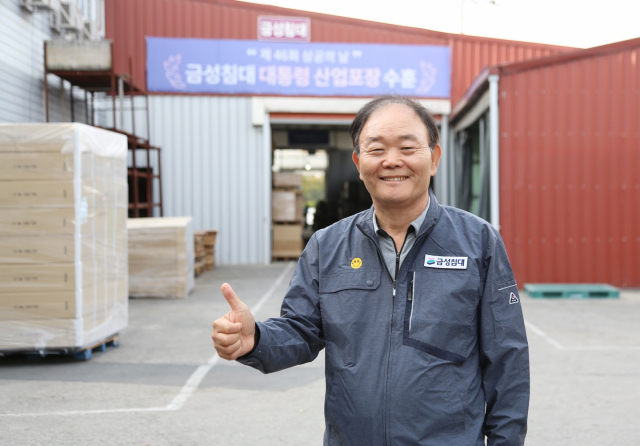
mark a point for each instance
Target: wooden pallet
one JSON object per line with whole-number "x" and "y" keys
{"x": 82, "y": 353}
{"x": 200, "y": 266}
{"x": 86, "y": 354}
{"x": 291, "y": 223}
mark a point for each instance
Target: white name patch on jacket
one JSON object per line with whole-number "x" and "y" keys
{"x": 445, "y": 262}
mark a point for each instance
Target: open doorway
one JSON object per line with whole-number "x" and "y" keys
{"x": 330, "y": 188}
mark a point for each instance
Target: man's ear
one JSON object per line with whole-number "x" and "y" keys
{"x": 436, "y": 154}
{"x": 356, "y": 160}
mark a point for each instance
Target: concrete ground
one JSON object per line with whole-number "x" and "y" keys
{"x": 165, "y": 386}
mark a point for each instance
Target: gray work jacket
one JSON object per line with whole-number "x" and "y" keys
{"x": 438, "y": 357}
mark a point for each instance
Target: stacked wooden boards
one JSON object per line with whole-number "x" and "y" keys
{"x": 63, "y": 238}
{"x": 205, "y": 250}
{"x": 287, "y": 205}
{"x": 200, "y": 254}
{"x": 210, "y": 237}
{"x": 161, "y": 257}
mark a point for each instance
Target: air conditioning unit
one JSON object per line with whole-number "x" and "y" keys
{"x": 71, "y": 17}
{"x": 40, "y": 5}
{"x": 92, "y": 30}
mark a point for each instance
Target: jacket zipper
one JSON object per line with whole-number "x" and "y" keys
{"x": 394, "y": 279}
{"x": 410, "y": 297}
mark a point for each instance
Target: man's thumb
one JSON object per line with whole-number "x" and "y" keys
{"x": 234, "y": 302}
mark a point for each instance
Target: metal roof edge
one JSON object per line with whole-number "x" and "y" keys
{"x": 388, "y": 26}
{"x": 481, "y": 83}
{"x": 477, "y": 87}
{"x": 569, "y": 56}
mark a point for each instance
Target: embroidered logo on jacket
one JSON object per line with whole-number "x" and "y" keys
{"x": 356, "y": 263}
{"x": 445, "y": 262}
{"x": 513, "y": 299}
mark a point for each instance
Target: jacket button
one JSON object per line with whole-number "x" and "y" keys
{"x": 369, "y": 282}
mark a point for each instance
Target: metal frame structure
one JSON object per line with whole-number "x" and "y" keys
{"x": 117, "y": 86}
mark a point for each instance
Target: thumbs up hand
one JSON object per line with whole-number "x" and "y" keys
{"x": 233, "y": 334}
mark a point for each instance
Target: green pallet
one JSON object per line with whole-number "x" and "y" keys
{"x": 572, "y": 290}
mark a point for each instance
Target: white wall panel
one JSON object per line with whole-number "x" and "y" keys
{"x": 22, "y": 37}
{"x": 212, "y": 160}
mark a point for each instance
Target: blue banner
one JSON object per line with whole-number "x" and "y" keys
{"x": 298, "y": 69}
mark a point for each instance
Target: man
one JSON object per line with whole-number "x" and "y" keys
{"x": 415, "y": 303}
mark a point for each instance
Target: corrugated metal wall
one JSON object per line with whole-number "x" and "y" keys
{"x": 570, "y": 170}
{"x": 213, "y": 169}
{"x": 22, "y": 36}
{"x": 128, "y": 22}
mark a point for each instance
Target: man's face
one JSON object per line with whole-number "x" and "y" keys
{"x": 395, "y": 162}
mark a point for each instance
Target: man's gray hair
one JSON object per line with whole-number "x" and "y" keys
{"x": 365, "y": 112}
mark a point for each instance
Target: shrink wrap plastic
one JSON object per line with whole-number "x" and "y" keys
{"x": 161, "y": 257}
{"x": 63, "y": 236}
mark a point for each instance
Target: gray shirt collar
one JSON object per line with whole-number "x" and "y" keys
{"x": 417, "y": 223}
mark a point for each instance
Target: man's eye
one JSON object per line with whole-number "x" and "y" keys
{"x": 408, "y": 148}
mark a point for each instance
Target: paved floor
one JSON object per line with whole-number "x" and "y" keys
{"x": 165, "y": 386}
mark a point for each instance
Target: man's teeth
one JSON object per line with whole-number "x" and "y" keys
{"x": 394, "y": 178}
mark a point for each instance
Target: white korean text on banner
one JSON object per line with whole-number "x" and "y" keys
{"x": 284, "y": 29}
{"x": 298, "y": 69}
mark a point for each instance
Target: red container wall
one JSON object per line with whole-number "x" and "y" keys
{"x": 128, "y": 22}
{"x": 570, "y": 170}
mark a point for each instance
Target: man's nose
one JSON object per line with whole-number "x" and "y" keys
{"x": 392, "y": 159}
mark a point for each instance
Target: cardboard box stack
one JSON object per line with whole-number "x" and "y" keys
{"x": 161, "y": 257}
{"x": 287, "y": 215}
{"x": 63, "y": 238}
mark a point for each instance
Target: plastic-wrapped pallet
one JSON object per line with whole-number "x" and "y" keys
{"x": 63, "y": 237}
{"x": 161, "y": 257}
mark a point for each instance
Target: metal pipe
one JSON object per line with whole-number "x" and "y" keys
{"x": 86, "y": 107}
{"x": 46, "y": 83}
{"x": 63, "y": 104}
{"x": 71, "y": 104}
{"x": 132, "y": 92}
{"x": 266, "y": 187}
{"x": 494, "y": 155}
{"x": 133, "y": 146}
{"x": 146, "y": 97}
{"x": 160, "y": 179}
{"x": 453, "y": 146}
{"x": 443, "y": 183}
{"x": 121, "y": 95}
{"x": 113, "y": 96}
{"x": 149, "y": 180}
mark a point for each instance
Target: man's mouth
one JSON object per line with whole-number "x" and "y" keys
{"x": 392, "y": 179}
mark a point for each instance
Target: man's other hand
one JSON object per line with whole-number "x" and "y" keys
{"x": 233, "y": 334}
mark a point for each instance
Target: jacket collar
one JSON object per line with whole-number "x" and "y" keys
{"x": 365, "y": 220}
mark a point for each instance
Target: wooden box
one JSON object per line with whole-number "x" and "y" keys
{"x": 287, "y": 240}
{"x": 287, "y": 206}
{"x": 161, "y": 257}
{"x": 287, "y": 180}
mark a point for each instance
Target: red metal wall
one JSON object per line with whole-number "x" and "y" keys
{"x": 570, "y": 169}
{"x": 128, "y": 22}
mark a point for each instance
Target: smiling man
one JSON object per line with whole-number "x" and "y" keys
{"x": 415, "y": 303}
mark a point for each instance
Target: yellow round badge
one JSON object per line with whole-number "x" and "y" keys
{"x": 356, "y": 263}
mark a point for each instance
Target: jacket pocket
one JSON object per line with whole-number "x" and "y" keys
{"x": 350, "y": 279}
{"x": 440, "y": 313}
{"x": 351, "y": 313}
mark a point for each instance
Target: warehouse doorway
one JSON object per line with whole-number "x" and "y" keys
{"x": 317, "y": 151}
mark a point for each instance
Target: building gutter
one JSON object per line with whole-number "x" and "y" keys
{"x": 494, "y": 154}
